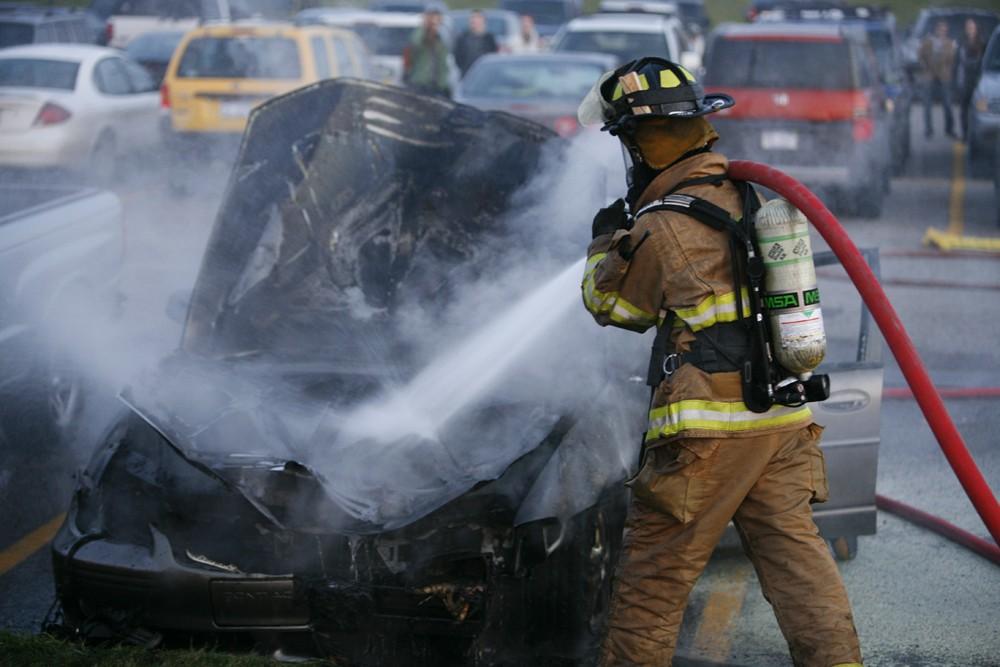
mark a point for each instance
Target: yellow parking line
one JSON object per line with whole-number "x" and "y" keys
{"x": 21, "y": 550}
{"x": 713, "y": 638}
{"x": 952, "y": 238}
{"x": 956, "y": 206}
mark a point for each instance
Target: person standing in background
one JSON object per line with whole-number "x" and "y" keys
{"x": 425, "y": 59}
{"x": 970, "y": 62}
{"x": 937, "y": 60}
{"x": 474, "y": 42}
{"x": 527, "y": 36}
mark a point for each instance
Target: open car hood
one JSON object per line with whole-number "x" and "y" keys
{"x": 350, "y": 205}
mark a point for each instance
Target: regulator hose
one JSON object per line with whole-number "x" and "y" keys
{"x": 948, "y": 437}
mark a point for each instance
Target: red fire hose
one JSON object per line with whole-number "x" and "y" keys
{"x": 885, "y": 316}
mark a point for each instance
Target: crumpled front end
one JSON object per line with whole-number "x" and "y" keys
{"x": 156, "y": 544}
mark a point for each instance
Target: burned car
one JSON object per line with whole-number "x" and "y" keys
{"x": 318, "y": 460}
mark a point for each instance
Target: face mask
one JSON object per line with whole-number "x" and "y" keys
{"x": 663, "y": 141}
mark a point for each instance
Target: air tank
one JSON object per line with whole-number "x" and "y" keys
{"x": 791, "y": 297}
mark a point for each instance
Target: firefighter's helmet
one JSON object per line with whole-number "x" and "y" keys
{"x": 646, "y": 88}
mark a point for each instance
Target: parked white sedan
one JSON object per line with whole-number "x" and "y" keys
{"x": 74, "y": 106}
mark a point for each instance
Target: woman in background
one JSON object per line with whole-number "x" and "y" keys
{"x": 970, "y": 62}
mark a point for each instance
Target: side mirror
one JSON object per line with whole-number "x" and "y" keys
{"x": 177, "y": 305}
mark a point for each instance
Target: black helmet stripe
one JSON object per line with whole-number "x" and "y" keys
{"x": 665, "y": 95}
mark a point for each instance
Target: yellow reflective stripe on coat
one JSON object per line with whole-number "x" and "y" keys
{"x": 611, "y": 304}
{"x": 713, "y": 310}
{"x": 727, "y": 416}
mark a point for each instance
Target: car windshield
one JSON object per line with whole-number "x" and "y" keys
{"x": 240, "y": 58}
{"x": 510, "y": 79}
{"x": 756, "y": 63}
{"x": 37, "y": 73}
{"x": 385, "y": 40}
{"x": 15, "y": 34}
{"x": 543, "y": 11}
{"x": 624, "y": 46}
{"x": 158, "y": 46}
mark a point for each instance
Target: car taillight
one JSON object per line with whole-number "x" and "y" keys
{"x": 109, "y": 32}
{"x": 52, "y": 114}
{"x": 864, "y": 129}
{"x": 566, "y": 126}
{"x": 164, "y": 97}
{"x": 863, "y": 124}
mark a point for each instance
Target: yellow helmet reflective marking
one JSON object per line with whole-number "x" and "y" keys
{"x": 668, "y": 79}
{"x": 687, "y": 74}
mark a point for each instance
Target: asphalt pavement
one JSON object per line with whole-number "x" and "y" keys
{"x": 918, "y": 599}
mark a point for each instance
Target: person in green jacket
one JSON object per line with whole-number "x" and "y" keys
{"x": 425, "y": 60}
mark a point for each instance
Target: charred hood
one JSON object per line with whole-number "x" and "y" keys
{"x": 350, "y": 200}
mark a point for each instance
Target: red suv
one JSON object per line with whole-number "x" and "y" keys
{"x": 809, "y": 101}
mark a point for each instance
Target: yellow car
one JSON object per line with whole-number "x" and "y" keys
{"x": 218, "y": 73}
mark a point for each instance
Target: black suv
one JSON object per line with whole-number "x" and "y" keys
{"x": 27, "y": 24}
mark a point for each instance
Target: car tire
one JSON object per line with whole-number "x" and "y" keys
{"x": 103, "y": 164}
{"x": 981, "y": 161}
{"x": 868, "y": 200}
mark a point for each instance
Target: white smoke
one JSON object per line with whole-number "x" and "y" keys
{"x": 519, "y": 333}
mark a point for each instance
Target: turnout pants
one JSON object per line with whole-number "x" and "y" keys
{"x": 685, "y": 494}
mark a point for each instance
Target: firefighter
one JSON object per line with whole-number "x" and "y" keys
{"x": 707, "y": 459}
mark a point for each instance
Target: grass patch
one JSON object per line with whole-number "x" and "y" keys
{"x": 44, "y": 650}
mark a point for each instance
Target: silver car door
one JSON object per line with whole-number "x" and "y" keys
{"x": 852, "y": 413}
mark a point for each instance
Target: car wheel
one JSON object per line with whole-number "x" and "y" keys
{"x": 868, "y": 200}
{"x": 898, "y": 159}
{"x": 103, "y": 166}
{"x": 981, "y": 159}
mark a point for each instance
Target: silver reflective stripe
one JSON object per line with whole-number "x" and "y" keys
{"x": 671, "y": 200}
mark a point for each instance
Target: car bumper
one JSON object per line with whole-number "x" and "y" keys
{"x": 43, "y": 148}
{"x": 198, "y": 146}
{"x": 985, "y": 127}
{"x": 96, "y": 576}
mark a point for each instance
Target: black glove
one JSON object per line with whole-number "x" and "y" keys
{"x": 611, "y": 219}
